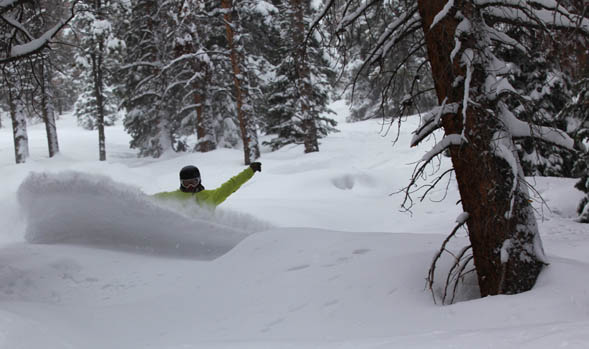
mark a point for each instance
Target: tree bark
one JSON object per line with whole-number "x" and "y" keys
{"x": 97, "y": 57}
{"x": 507, "y": 250}
{"x": 98, "y": 87}
{"x": 204, "y": 129}
{"x": 311, "y": 141}
{"x": 203, "y": 132}
{"x": 250, "y": 143}
{"x": 19, "y": 127}
{"x": 47, "y": 111}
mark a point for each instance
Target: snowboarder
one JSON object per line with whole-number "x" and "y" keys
{"x": 192, "y": 188}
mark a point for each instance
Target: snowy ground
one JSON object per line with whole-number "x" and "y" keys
{"x": 311, "y": 253}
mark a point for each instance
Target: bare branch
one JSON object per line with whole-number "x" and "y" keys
{"x": 445, "y": 143}
{"x": 432, "y": 270}
{"x": 460, "y": 274}
{"x": 433, "y": 185}
{"x": 454, "y": 272}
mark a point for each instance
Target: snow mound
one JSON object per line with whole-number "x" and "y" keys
{"x": 91, "y": 210}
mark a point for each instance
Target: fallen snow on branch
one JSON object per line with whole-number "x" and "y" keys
{"x": 36, "y": 44}
{"x": 445, "y": 143}
{"x": 431, "y": 121}
{"x": 521, "y": 129}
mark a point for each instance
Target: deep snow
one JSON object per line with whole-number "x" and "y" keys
{"x": 313, "y": 252}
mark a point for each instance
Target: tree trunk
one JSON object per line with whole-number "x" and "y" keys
{"x": 48, "y": 112}
{"x": 98, "y": 87}
{"x": 506, "y": 245}
{"x": 311, "y": 141}
{"x": 19, "y": 127}
{"x": 97, "y": 73}
{"x": 203, "y": 132}
{"x": 248, "y": 132}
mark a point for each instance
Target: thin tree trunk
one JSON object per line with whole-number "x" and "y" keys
{"x": 507, "y": 250}
{"x": 311, "y": 141}
{"x": 97, "y": 65}
{"x": 19, "y": 127}
{"x": 250, "y": 142}
{"x": 98, "y": 87}
{"x": 48, "y": 112}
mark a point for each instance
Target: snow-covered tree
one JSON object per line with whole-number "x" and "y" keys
{"x": 241, "y": 83}
{"x": 44, "y": 103}
{"x": 18, "y": 21}
{"x": 65, "y": 74}
{"x": 98, "y": 57}
{"x": 543, "y": 89}
{"x": 150, "y": 112}
{"x": 191, "y": 70}
{"x": 180, "y": 78}
{"x": 299, "y": 93}
{"x": 11, "y": 91}
{"x": 578, "y": 112}
{"x": 26, "y": 31}
{"x": 480, "y": 128}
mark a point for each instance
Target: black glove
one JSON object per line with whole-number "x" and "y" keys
{"x": 256, "y": 166}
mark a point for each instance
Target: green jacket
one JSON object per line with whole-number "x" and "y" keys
{"x": 210, "y": 198}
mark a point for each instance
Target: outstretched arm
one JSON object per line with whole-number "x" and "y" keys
{"x": 229, "y": 187}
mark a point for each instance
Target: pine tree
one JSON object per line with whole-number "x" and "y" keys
{"x": 473, "y": 90}
{"x": 179, "y": 78}
{"x": 25, "y": 35}
{"x": 220, "y": 103}
{"x": 506, "y": 245}
{"x": 98, "y": 59}
{"x": 65, "y": 75}
{"x": 192, "y": 70}
{"x": 543, "y": 89}
{"x": 150, "y": 112}
{"x": 299, "y": 93}
{"x": 244, "y": 102}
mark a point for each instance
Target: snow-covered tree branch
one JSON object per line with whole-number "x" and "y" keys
{"x": 15, "y": 46}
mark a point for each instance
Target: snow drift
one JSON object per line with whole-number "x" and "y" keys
{"x": 92, "y": 210}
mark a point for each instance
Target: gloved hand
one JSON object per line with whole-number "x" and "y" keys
{"x": 256, "y": 166}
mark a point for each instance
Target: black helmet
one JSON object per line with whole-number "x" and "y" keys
{"x": 190, "y": 179}
{"x": 189, "y": 172}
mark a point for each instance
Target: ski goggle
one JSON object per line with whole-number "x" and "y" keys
{"x": 190, "y": 183}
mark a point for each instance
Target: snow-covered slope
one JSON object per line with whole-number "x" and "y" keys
{"x": 312, "y": 252}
